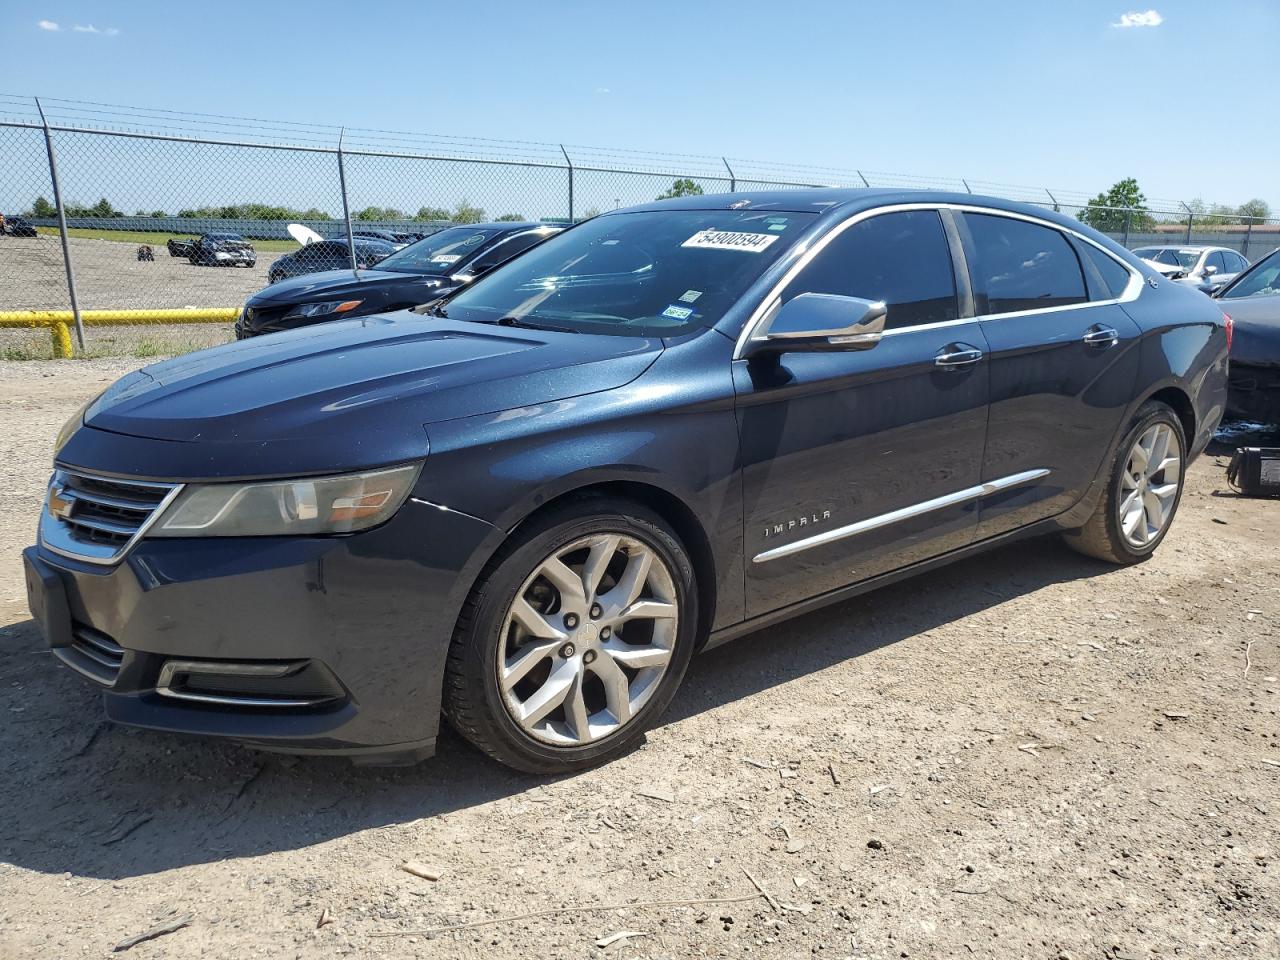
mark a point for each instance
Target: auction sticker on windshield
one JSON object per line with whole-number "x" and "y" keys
{"x": 730, "y": 240}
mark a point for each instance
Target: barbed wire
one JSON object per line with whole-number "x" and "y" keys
{"x": 116, "y": 117}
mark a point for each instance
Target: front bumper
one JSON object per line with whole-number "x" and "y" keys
{"x": 364, "y": 622}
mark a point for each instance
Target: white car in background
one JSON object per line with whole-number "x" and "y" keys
{"x": 1205, "y": 267}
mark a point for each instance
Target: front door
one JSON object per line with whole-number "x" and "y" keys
{"x": 860, "y": 462}
{"x": 1063, "y": 360}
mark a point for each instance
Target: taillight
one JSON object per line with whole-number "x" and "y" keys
{"x": 1231, "y": 328}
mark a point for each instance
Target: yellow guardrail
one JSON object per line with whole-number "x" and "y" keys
{"x": 59, "y": 321}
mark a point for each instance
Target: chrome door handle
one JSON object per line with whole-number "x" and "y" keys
{"x": 957, "y": 355}
{"x": 1100, "y": 336}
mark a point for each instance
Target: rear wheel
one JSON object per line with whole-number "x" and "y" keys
{"x": 1142, "y": 495}
{"x": 574, "y": 640}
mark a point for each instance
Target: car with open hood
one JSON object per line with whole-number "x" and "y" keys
{"x": 1207, "y": 268}
{"x": 427, "y": 270}
{"x": 528, "y": 505}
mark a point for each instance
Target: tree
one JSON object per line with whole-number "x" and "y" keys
{"x": 380, "y": 213}
{"x": 43, "y": 208}
{"x": 431, "y": 213}
{"x": 588, "y": 213}
{"x": 684, "y": 187}
{"x": 1255, "y": 210}
{"x": 465, "y": 213}
{"x": 510, "y": 218}
{"x": 1106, "y": 211}
{"x": 158, "y": 213}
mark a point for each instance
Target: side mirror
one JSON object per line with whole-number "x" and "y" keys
{"x": 1210, "y": 270}
{"x": 819, "y": 323}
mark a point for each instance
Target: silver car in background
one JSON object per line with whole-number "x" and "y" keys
{"x": 1207, "y": 268}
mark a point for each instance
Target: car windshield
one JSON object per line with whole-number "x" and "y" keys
{"x": 652, "y": 273}
{"x": 439, "y": 252}
{"x": 1174, "y": 258}
{"x": 1262, "y": 280}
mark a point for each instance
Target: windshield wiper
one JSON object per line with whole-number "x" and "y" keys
{"x": 525, "y": 324}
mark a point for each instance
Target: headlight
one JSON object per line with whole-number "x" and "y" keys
{"x": 344, "y": 504}
{"x": 322, "y": 309}
{"x": 73, "y": 424}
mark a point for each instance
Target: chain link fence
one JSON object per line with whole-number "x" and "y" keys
{"x": 128, "y": 203}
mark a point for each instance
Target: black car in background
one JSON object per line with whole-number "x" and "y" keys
{"x": 328, "y": 255}
{"x": 1253, "y": 301}
{"x": 222, "y": 250}
{"x": 18, "y": 227}
{"x": 419, "y": 273}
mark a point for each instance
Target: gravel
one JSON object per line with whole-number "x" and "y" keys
{"x": 923, "y": 828}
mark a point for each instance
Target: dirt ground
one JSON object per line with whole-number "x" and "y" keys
{"x": 109, "y": 276}
{"x": 1028, "y": 754}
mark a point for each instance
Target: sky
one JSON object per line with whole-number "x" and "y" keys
{"x": 1070, "y": 95}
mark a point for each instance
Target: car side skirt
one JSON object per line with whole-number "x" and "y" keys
{"x": 733, "y": 632}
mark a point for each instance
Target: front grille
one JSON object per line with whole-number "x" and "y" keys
{"x": 93, "y": 654}
{"x": 98, "y": 518}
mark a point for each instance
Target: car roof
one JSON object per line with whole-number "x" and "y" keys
{"x": 821, "y": 200}
{"x": 1197, "y": 247}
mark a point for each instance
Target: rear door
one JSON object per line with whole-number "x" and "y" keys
{"x": 855, "y": 463}
{"x": 1063, "y": 360}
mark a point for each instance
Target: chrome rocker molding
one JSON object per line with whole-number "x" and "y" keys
{"x": 905, "y": 513}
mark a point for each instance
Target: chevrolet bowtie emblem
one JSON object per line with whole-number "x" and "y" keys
{"x": 60, "y": 506}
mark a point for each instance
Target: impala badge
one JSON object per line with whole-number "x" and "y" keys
{"x": 796, "y": 523}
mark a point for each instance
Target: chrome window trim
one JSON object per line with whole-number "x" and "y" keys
{"x": 903, "y": 513}
{"x": 773, "y": 299}
{"x": 105, "y": 561}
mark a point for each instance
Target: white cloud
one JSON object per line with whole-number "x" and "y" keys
{"x": 603, "y": 90}
{"x": 47, "y": 25}
{"x": 1135, "y": 18}
{"x": 90, "y": 28}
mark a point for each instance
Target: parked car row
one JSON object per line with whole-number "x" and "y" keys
{"x": 315, "y": 283}
{"x": 527, "y": 504}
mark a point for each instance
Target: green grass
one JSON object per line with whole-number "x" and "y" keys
{"x": 158, "y": 240}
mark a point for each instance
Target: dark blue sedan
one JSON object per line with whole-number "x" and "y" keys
{"x": 659, "y": 430}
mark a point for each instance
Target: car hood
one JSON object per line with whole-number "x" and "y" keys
{"x": 338, "y": 396}
{"x": 1164, "y": 268}
{"x": 1257, "y": 330}
{"x": 338, "y": 283}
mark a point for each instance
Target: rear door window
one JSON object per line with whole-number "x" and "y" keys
{"x": 1024, "y": 266}
{"x": 1114, "y": 276}
{"x": 901, "y": 258}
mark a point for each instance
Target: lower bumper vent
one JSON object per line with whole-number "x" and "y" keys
{"x": 93, "y": 654}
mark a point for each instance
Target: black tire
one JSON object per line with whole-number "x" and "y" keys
{"x": 1101, "y": 536}
{"x": 473, "y": 702}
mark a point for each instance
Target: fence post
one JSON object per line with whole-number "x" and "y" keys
{"x": 1127, "y": 212}
{"x": 569, "y": 163}
{"x": 1190, "y": 217}
{"x": 1054, "y": 199}
{"x": 733, "y": 181}
{"x": 346, "y": 207}
{"x": 62, "y": 343}
{"x": 1248, "y": 235}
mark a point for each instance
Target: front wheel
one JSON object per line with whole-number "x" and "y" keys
{"x": 1143, "y": 491}
{"x": 575, "y": 638}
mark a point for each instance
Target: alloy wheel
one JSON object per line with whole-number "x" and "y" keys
{"x": 1149, "y": 485}
{"x": 587, "y": 639}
